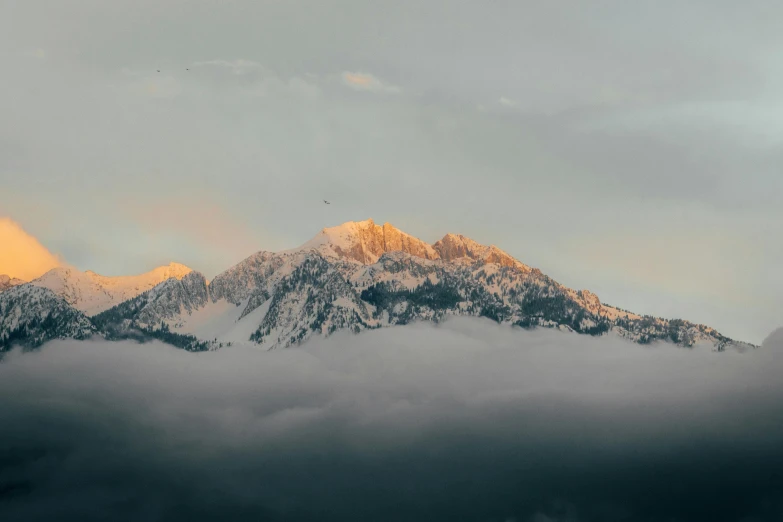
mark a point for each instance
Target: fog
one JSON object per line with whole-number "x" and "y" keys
{"x": 466, "y": 420}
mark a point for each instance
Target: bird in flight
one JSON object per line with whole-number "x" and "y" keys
{"x": 327, "y": 202}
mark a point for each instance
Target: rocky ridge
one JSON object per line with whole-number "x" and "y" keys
{"x": 31, "y": 315}
{"x": 7, "y": 282}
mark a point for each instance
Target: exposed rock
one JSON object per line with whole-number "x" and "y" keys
{"x": 455, "y": 246}
{"x": 364, "y": 242}
{"x": 7, "y": 282}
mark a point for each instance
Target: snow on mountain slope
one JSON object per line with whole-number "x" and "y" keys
{"x": 240, "y": 281}
{"x": 171, "y": 299}
{"x": 7, "y": 282}
{"x": 93, "y": 293}
{"x": 264, "y": 292}
{"x": 31, "y": 315}
{"x": 222, "y": 321}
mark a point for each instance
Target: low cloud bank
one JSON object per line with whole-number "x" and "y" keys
{"x": 466, "y": 420}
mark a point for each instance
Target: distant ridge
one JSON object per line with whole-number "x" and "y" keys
{"x": 92, "y": 293}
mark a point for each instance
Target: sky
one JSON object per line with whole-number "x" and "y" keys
{"x": 632, "y": 149}
{"x": 465, "y": 420}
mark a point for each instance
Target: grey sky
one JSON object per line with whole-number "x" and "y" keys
{"x": 632, "y": 148}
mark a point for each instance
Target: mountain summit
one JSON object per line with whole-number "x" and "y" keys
{"x": 93, "y": 293}
{"x": 365, "y": 242}
{"x": 455, "y": 247}
{"x": 7, "y": 282}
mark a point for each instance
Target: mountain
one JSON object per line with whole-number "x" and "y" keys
{"x": 455, "y": 248}
{"x": 92, "y": 293}
{"x": 146, "y": 315}
{"x": 365, "y": 242}
{"x": 7, "y": 282}
{"x": 360, "y": 276}
{"x": 31, "y": 315}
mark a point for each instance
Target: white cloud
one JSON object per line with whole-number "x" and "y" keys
{"x": 39, "y": 54}
{"x": 163, "y": 86}
{"x": 303, "y": 87}
{"x": 508, "y": 102}
{"x": 367, "y": 82}
{"x": 239, "y": 66}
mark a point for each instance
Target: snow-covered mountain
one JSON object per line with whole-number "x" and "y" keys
{"x": 365, "y": 242}
{"x": 31, "y": 315}
{"x": 92, "y": 293}
{"x": 7, "y": 282}
{"x": 360, "y": 275}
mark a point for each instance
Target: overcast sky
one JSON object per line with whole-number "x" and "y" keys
{"x": 631, "y": 148}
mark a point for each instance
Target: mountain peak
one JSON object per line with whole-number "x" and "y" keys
{"x": 176, "y": 270}
{"x": 93, "y": 293}
{"x": 453, "y": 247}
{"x": 365, "y": 242}
{"x": 7, "y": 282}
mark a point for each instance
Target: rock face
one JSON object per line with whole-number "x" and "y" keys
{"x": 175, "y": 297}
{"x": 238, "y": 282}
{"x": 364, "y": 242}
{"x": 7, "y": 282}
{"x": 168, "y": 300}
{"x": 30, "y": 316}
{"x": 454, "y": 247}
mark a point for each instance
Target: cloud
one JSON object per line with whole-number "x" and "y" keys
{"x": 367, "y": 82}
{"x": 667, "y": 258}
{"x": 39, "y": 54}
{"x": 22, "y": 255}
{"x": 238, "y": 66}
{"x": 508, "y": 102}
{"x": 164, "y": 86}
{"x": 274, "y": 85}
{"x": 198, "y": 222}
{"x": 464, "y": 420}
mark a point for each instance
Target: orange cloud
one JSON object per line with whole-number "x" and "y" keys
{"x": 21, "y": 255}
{"x": 222, "y": 239}
{"x": 367, "y": 82}
{"x": 358, "y": 79}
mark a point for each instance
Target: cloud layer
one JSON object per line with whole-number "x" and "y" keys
{"x": 21, "y": 255}
{"x": 462, "y": 421}
{"x": 367, "y": 82}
